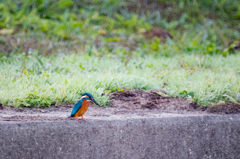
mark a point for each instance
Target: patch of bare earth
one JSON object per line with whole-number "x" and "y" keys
{"x": 157, "y": 32}
{"x": 126, "y": 104}
{"x": 21, "y": 43}
{"x": 139, "y": 99}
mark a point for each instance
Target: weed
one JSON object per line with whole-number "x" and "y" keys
{"x": 207, "y": 80}
{"x": 101, "y": 48}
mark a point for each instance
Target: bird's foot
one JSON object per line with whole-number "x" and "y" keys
{"x": 78, "y": 120}
{"x": 84, "y": 119}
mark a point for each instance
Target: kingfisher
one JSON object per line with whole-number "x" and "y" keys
{"x": 82, "y": 106}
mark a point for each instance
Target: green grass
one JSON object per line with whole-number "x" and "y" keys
{"x": 35, "y": 81}
{"x": 52, "y": 51}
{"x": 215, "y": 22}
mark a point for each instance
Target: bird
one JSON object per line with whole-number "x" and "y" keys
{"x": 82, "y": 105}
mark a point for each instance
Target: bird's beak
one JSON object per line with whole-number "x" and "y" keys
{"x": 95, "y": 102}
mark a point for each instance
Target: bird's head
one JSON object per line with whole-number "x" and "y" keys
{"x": 89, "y": 96}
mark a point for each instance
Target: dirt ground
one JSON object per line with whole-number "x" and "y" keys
{"x": 126, "y": 104}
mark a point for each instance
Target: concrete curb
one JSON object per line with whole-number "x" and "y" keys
{"x": 214, "y": 136}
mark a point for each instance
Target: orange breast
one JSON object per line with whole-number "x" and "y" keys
{"x": 83, "y": 109}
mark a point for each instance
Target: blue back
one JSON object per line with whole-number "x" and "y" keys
{"x": 77, "y": 106}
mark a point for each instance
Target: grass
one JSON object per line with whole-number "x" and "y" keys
{"x": 52, "y": 51}
{"x": 68, "y": 21}
{"x": 35, "y": 81}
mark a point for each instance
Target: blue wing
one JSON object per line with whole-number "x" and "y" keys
{"x": 76, "y": 107}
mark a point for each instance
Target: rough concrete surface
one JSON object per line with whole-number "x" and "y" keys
{"x": 170, "y": 137}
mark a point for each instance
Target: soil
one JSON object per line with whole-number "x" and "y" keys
{"x": 235, "y": 47}
{"x": 9, "y": 43}
{"x": 126, "y": 104}
{"x": 157, "y": 32}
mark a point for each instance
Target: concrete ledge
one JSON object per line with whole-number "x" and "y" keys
{"x": 194, "y": 137}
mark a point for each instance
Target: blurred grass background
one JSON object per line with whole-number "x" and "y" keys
{"x": 198, "y": 26}
{"x": 199, "y": 37}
